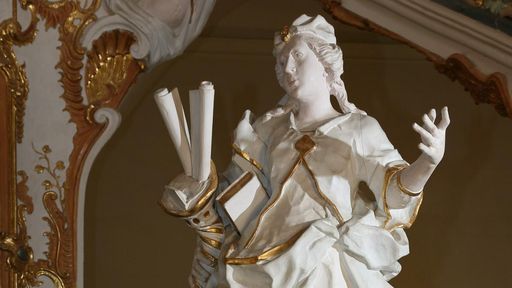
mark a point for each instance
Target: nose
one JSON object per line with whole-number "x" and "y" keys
{"x": 289, "y": 66}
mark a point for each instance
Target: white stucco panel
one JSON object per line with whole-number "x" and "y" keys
{"x": 45, "y": 123}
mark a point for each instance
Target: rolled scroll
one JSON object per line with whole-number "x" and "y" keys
{"x": 201, "y": 113}
{"x": 174, "y": 117}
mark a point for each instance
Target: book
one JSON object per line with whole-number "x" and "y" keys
{"x": 243, "y": 200}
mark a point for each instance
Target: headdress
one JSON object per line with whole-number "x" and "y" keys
{"x": 316, "y": 27}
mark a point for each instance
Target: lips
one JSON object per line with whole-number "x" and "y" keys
{"x": 292, "y": 82}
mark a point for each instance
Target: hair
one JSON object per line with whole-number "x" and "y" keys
{"x": 331, "y": 57}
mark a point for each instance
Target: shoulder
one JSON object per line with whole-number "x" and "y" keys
{"x": 354, "y": 123}
{"x": 369, "y": 126}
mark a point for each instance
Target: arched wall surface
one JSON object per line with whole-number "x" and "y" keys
{"x": 460, "y": 238}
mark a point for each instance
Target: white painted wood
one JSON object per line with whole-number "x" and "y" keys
{"x": 113, "y": 119}
{"x": 160, "y": 36}
{"x": 441, "y": 31}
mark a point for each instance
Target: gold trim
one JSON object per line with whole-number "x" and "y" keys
{"x": 337, "y": 213}
{"x": 247, "y": 157}
{"x": 268, "y": 254}
{"x": 304, "y": 146}
{"x": 245, "y": 178}
{"x": 404, "y": 189}
{"x": 107, "y": 65}
{"x": 211, "y": 258}
{"x": 390, "y": 172}
{"x": 211, "y": 242}
{"x": 214, "y": 230}
{"x": 285, "y": 34}
{"x": 484, "y": 88}
{"x": 203, "y": 200}
{"x": 413, "y": 217}
{"x": 387, "y": 179}
{"x": 273, "y": 203}
{"x": 70, "y": 19}
{"x": 14, "y": 239}
{"x": 53, "y": 276}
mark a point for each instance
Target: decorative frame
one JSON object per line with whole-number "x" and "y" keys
{"x": 491, "y": 89}
{"x": 110, "y": 70}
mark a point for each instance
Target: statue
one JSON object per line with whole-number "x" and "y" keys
{"x": 286, "y": 212}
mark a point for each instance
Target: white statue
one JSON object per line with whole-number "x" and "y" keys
{"x": 286, "y": 212}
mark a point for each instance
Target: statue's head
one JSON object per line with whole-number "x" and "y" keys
{"x": 318, "y": 36}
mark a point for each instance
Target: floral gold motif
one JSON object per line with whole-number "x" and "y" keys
{"x": 46, "y": 167}
{"x": 116, "y": 70}
{"x": 13, "y": 238}
{"x": 21, "y": 259}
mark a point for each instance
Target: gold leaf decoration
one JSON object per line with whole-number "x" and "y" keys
{"x": 107, "y": 65}
{"x": 491, "y": 89}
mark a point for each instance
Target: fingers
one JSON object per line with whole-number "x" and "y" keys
{"x": 428, "y": 124}
{"x": 432, "y": 115}
{"x": 445, "y": 120}
{"x": 425, "y": 149}
{"x": 428, "y": 138}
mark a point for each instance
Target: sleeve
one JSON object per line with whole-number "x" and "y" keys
{"x": 250, "y": 150}
{"x": 193, "y": 202}
{"x": 379, "y": 165}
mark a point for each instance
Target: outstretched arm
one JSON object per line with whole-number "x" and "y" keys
{"x": 414, "y": 177}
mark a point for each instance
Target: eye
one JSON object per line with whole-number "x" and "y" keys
{"x": 298, "y": 55}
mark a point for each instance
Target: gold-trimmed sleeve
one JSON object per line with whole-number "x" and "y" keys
{"x": 404, "y": 189}
{"x": 390, "y": 224}
{"x": 205, "y": 199}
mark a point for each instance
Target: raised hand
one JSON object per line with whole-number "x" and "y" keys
{"x": 432, "y": 135}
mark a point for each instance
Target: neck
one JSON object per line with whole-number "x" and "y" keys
{"x": 313, "y": 112}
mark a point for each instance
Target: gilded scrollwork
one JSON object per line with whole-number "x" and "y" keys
{"x": 107, "y": 65}
{"x": 109, "y": 73}
{"x": 491, "y": 89}
{"x": 21, "y": 257}
{"x": 15, "y": 241}
{"x": 12, "y": 34}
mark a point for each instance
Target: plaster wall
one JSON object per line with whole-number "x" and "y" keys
{"x": 460, "y": 239}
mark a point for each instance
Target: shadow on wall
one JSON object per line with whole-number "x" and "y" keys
{"x": 131, "y": 242}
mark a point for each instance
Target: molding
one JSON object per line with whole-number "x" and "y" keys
{"x": 111, "y": 119}
{"x": 95, "y": 78}
{"x": 443, "y": 36}
{"x": 262, "y": 47}
{"x": 13, "y": 94}
{"x": 157, "y": 39}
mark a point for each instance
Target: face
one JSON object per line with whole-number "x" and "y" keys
{"x": 304, "y": 75}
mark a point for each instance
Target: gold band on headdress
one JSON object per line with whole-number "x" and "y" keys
{"x": 285, "y": 33}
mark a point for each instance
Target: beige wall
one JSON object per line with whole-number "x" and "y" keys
{"x": 461, "y": 238}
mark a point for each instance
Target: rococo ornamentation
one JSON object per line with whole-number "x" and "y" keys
{"x": 107, "y": 65}
{"x": 491, "y": 89}
{"x": 109, "y": 73}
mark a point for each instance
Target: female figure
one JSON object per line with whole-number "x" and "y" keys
{"x": 315, "y": 230}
